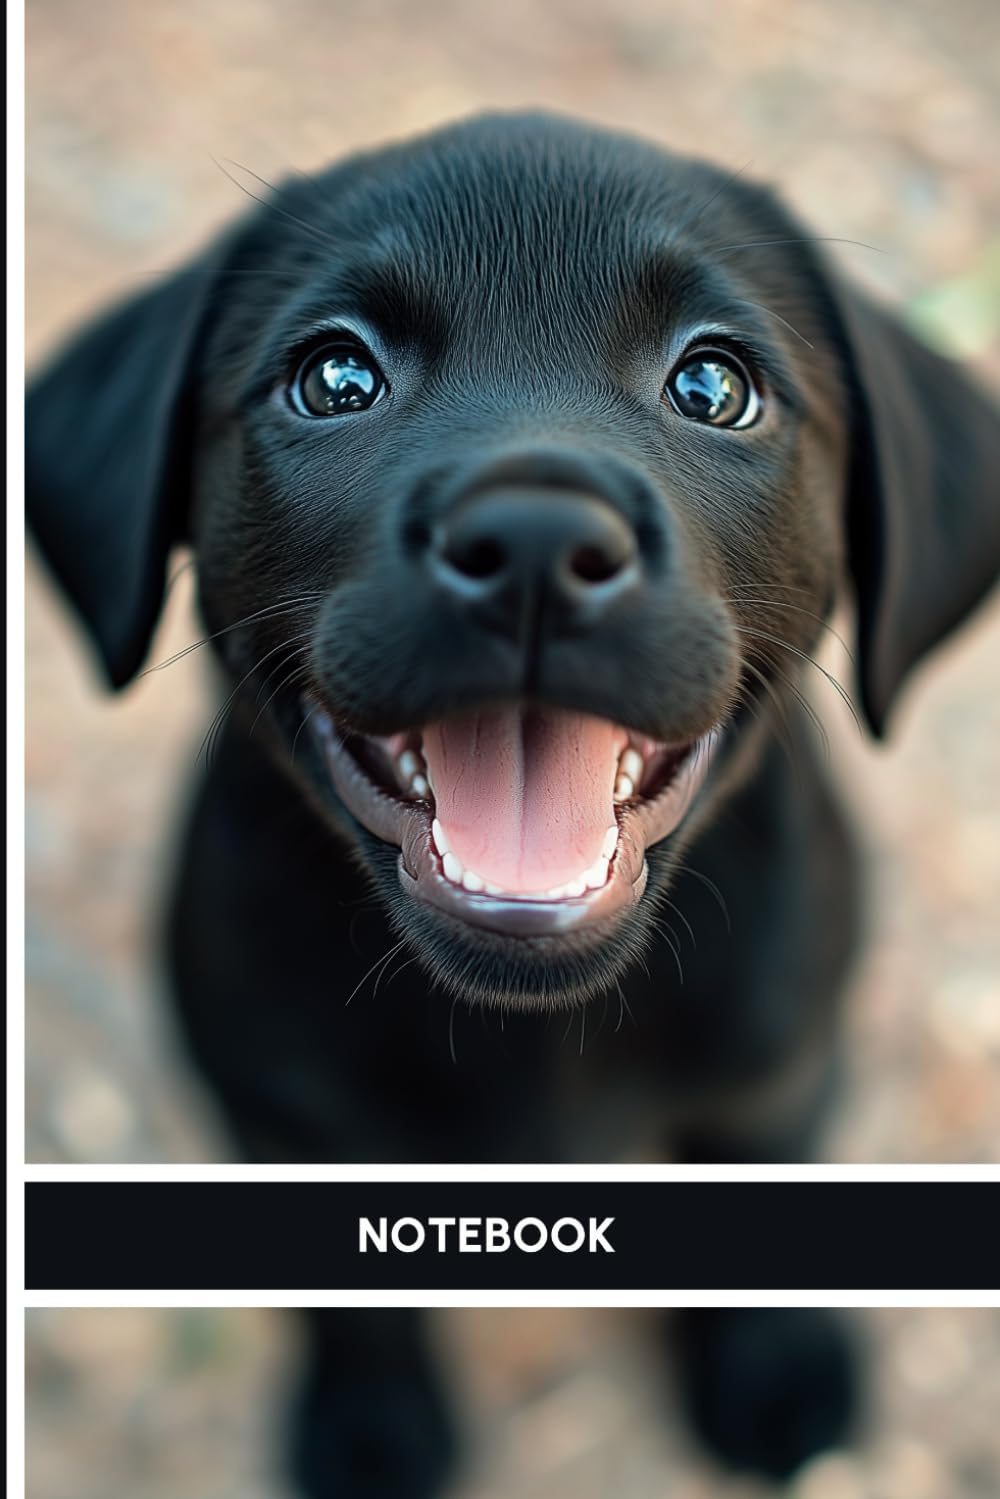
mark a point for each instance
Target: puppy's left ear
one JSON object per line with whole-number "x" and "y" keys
{"x": 109, "y": 431}
{"x": 924, "y": 496}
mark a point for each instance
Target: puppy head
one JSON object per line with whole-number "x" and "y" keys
{"x": 522, "y": 464}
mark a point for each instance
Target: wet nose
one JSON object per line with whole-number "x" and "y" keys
{"x": 511, "y": 553}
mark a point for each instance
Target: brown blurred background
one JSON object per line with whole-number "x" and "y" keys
{"x": 879, "y": 121}
{"x": 554, "y": 1405}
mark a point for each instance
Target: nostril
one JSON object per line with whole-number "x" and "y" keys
{"x": 595, "y": 564}
{"x": 481, "y": 558}
{"x": 504, "y": 548}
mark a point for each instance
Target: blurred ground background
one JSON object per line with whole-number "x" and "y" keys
{"x": 880, "y": 121}
{"x": 554, "y": 1405}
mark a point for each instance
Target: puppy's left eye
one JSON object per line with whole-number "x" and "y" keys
{"x": 337, "y": 379}
{"x": 711, "y": 386}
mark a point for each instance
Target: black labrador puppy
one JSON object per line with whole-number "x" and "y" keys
{"x": 522, "y": 465}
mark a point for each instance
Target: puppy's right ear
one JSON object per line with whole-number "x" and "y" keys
{"x": 109, "y": 437}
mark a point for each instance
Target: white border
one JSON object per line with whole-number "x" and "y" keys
{"x": 268, "y": 1297}
{"x": 15, "y": 749}
{"x": 18, "y": 1173}
{"x": 498, "y": 1296}
{"x": 509, "y": 1172}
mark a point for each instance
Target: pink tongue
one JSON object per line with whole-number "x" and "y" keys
{"x": 525, "y": 798}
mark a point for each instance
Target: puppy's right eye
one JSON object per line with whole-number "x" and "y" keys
{"x": 337, "y": 379}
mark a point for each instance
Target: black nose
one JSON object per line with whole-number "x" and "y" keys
{"x": 510, "y": 553}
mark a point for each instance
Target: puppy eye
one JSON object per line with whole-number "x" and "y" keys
{"x": 337, "y": 379}
{"x": 711, "y": 386}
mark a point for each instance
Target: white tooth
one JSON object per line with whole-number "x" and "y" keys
{"x": 453, "y": 868}
{"x": 472, "y": 881}
{"x": 494, "y": 889}
{"x": 597, "y": 874}
{"x": 409, "y": 763}
{"x": 419, "y": 786}
{"x": 555, "y": 893}
{"x": 610, "y": 842}
{"x": 631, "y": 764}
{"x": 624, "y": 788}
{"x": 575, "y": 887}
{"x": 440, "y": 838}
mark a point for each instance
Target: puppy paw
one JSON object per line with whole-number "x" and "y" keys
{"x": 767, "y": 1388}
{"x": 390, "y": 1439}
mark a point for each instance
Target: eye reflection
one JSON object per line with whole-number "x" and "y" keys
{"x": 714, "y": 388}
{"x": 338, "y": 380}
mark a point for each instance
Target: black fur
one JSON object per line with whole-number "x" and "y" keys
{"x": 525, "y": 283}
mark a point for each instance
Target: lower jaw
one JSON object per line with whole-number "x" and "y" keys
{"x": 538, "y": 922}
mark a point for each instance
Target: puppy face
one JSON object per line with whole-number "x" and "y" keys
{"x": 514, "y": 471}
{"x": 518, "y": 466}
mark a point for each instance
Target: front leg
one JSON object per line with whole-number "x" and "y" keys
{"x": 370, "y": 1418}
{"x": 767, "y": 1388}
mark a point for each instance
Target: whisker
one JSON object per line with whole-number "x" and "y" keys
{"x": 394, "y": 974}
{"x": 804, "y": 656}
{"x": 272, "y": 187}
{"x": 318, "y": 234}
{"x": 799, "y": 239}
{"x": 297, "y": 673}
{"x": 385, "y": 958}
{"x": 785, "y": 731}
{"x": 219, "y": 718}
{"x": 808, "y": 708}
{"x": 777, "y": 315}
{"x": 184, "y": 567}
{"x": 713, "y": 890}
{"x": 786, "y": 588}
{"x": 297, "y": 654}
{"x": 301, "y": 726}
{"x": 604, "y": 1018}
{"x": 268, "y": 609}
{"x": 726, "y": 183}
{"x": 276, "y": 274}
{"x": 741, "y": 598}
{"x": 745, "y": 698}
{"x": 681, "y": 917}
{"x": 292, "y": 641}
{"x": 666, "y": 931}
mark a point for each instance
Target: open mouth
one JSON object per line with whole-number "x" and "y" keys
{"x": 526, "y": 820}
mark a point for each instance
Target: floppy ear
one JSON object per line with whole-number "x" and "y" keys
{"x": 924, "y": 497}
{"x": 109, "y": 433}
